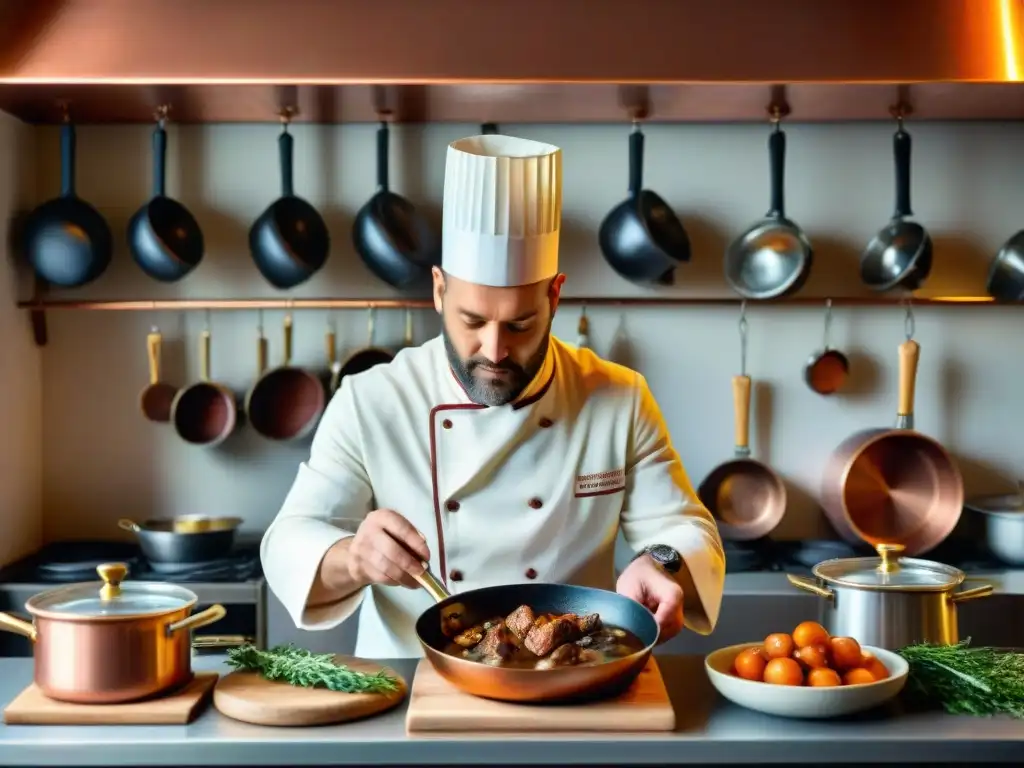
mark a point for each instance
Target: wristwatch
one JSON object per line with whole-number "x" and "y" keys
{"x": 664, "y": 556}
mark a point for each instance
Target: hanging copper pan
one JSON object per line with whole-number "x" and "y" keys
{"x": 746, "y": 498}
{"x": 894, "y": 486}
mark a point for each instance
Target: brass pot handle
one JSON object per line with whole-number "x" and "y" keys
{"x": 807, "y": 585}
{"x": 432, "y": 585}
{"x": 195, "y": 621}
{"x": 18, "y": 626}
{"x": 972, "y": 594}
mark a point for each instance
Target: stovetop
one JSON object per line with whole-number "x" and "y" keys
{"x": 75, "y": 561}
{"x": 799, "y": 557}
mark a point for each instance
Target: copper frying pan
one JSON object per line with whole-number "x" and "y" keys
{"x": 894, "y": 486}
{"x": 745, "y": 496}
{"x": 532, "y": 685}
{"x": 286, "y": 402}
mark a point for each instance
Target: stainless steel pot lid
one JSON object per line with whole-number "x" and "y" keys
{"x": 889, "y": 571}
{"x": 110, "y": 597}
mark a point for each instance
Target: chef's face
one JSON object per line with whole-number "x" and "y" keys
{"x": 496, "y": 338}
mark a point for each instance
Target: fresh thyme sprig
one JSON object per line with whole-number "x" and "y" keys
{"x": 965, "y": 680}
{"x": 299, "y": 667}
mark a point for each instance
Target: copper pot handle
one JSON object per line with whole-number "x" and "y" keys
{"x": 197, "y": 620}
{"x": 18, "y": 626}
{"x": 807, "y": 585}
{"x": 972, "y": 594}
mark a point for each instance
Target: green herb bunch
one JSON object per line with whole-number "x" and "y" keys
{"x": 305, "y": 669}
{"x": 965, "y": 680}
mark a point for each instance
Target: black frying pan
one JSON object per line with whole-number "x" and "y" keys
{"x": 642, "y": 238}
{"x": 393, "y": 239}
{"x": 66, "y": 240}
{"x": 1005, "y": 280}
{"x": 163, "y": 236}
{"x": 289, "y": 241}
{"x": 773, "y": 258}
{"x": 532, "y": 685}
{"x": 900, "y": 255}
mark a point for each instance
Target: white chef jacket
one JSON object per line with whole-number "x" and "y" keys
{"x": 535, "y": 489}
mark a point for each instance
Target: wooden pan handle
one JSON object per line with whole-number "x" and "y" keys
{"x": 261, "y": 354}
{"x": 330, "y": 347}
{"x": 287, "y": 340}
{"x": 910, "y": 353}
{"x": 741, "y": 411}
{"x": 204, "y": 356}
{"x": 153, "y": 342}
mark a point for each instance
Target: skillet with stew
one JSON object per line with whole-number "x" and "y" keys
{"x": 536, "y": 642}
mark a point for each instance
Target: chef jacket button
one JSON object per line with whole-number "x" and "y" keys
{"x": 451, "y": 505}
{"x": 531, "y": 574}
{"x": 535, "y": 503}
{"x": 455, "y": 575}
{"x": 447, "y": 423}
{"x": 545, "y": 423}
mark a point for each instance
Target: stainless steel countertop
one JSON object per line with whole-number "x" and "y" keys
{"x": 709, "y": 731}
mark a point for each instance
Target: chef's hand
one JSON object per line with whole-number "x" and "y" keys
{"x": 387, "y": 549}
{"x": 645, "y": 581}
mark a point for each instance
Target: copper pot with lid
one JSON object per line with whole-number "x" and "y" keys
{"x": 110, "y": 642}
{"x": 890, "y": 601}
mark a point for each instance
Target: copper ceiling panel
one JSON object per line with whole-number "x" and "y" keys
{"x": 539, "y": 41}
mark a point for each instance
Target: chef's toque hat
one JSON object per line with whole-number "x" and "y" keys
{"x": 502, "y": 210}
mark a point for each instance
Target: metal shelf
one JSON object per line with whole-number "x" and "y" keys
{"x": 38, "y": 308}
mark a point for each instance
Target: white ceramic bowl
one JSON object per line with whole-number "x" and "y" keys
{"x": 804, "y": 701}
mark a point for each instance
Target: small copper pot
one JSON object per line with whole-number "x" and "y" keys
{"x": 108, "y": 642}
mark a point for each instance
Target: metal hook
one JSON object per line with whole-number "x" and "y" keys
{"x": 908, "y": 322}
{"x": 371, "y": 324}
{"x": 259, "y": 321}
{"x": 160, "y": 114}
{"x": 285, "y": 114}
{"x": 208, "y": 315}
{"x": 743, "y": 337}
{"x": 828, "y": 322}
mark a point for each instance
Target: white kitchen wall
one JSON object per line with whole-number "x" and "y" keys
{"x": 21, "y": 418}
{"x": 103, "y": 461}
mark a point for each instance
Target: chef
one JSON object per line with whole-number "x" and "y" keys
{"x": 494, "y": 452}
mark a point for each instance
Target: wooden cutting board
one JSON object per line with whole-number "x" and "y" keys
{"x": 436, "y": 705}
{"x": 251, "y": 698}
{"x": 180, "y": 707}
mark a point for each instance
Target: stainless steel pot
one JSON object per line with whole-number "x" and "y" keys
{"x": 108, "y": 642}
{"x": 186, "y": 539}
{"x": 1004, "y": 524}
{"x": 889, "y": 601}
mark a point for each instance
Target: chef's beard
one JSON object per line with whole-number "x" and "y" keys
{"x": 492, "y": 391}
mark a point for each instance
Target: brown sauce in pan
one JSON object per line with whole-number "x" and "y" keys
{"x": 524, "y": 640}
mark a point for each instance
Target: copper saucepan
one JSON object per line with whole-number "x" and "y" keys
{"x": 287, "y": 402}
{"x": 526, "y": 684}
{"x": 111, "y": 642}
{"x": 205, "y": 412}
{"x": 894, "y": 486}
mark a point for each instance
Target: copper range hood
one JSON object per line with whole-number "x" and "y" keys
{"x": 700, "y": 59}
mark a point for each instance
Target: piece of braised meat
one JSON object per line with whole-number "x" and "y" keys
{"x": 499, "y": 644}
{"x": 567, "y": 655}
{"x": 520, "y": 621}
{"x": 544, "y": 638}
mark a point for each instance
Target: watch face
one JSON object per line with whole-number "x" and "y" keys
{"x": 663, "y": 554}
